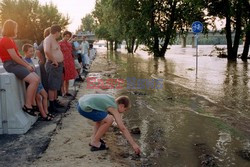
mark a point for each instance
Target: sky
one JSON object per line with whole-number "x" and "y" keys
{"x": 76, "y": 9}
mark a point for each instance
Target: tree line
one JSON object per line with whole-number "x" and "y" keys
{"x": 32, "y": 17}
{"x": 157, "y": 23}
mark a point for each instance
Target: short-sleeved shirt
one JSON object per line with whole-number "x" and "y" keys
{"x": 75, "y": 45}
{"x": 98, "y": 102}
{"x": 28, "y": 60}
{"x": 40, "y": 48}
{"x": 85, "y": 47}
{"x": 5, "y": 44}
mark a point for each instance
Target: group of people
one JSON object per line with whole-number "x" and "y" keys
{"x": 60, "y": 62}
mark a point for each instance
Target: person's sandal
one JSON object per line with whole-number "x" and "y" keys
{"x": 102, "y": 141}
{"x": 51, "y": 115}
{"x": 48, "y": 118}
{"x": 29, "y": 111}
{"x": 102, "y": 147}
{"x": 36, "y": 110}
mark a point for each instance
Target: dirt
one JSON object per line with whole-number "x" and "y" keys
{"x": 69, "y": 145}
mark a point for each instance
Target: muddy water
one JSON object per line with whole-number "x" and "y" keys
{"x": 189, "y": 121}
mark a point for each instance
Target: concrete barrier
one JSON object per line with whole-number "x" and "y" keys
{"x": 12, "y": 97}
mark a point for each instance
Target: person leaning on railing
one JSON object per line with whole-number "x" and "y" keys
{"x": 13, "y": 63}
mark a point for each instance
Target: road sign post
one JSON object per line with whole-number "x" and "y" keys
{"x": 197, "y": 27}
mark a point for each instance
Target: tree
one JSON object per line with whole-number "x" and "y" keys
{"x": 32, "y": 18}
{"x": 48, "y": 15}
{"x": 88, "y": 23}
{"x": 107, "y": 23}
{"x": 163, "y": 19}
{"x": 129, "y": 20}
{"x": 232, "y": 11}
{"x": 246, "y": 31}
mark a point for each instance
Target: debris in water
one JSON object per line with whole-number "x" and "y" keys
{"x": 124, "y": 155}
{"x": 245, "y": 154}
{"x": 135, "y": 130}
{"x": 207, "y": 160}
{"x": 190, "y": 69}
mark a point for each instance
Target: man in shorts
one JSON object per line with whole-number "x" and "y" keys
{"x": 54, "y": 64}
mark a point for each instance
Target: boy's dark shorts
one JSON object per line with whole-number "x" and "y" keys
{"x": 94, "y": 115}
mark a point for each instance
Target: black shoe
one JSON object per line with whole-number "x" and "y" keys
{"x": 68, "y": 94}
{"x": 52, "y": 109}
{"x": 79, "y": 79}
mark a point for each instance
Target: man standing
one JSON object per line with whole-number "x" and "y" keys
{"x": 85, "y": 53}
{"x": 54, "y": 65}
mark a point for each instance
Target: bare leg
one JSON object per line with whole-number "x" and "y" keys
{"x": 44, "y": 101}
{"x": 35, "y": 93}
{"x": 51, "y": 95}
{"x": 95, "y": 129}
{"x": 63, "y": 88}
{"x": 55, "y": 94}
{"x": 40, "y": 105}
{"x": 33, "y": 81}
{"x": 105, "y": 124}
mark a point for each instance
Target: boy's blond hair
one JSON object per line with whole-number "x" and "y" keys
{"x": 123, "y": 100}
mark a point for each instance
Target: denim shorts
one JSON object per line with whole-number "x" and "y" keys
{"x": 19, "y": 70}
{"x": 94, "y": 115}
{"x": 39, "y": 88}
{"x": 54, "y": 75}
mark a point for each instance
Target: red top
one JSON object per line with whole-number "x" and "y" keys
{"x": 5, "y": 44}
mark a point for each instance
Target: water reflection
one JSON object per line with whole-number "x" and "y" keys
{"x": 236, "y": 87}
{"x": 170, "y": 128}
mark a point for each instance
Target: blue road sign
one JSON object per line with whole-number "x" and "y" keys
{"x": 197, "y": 27}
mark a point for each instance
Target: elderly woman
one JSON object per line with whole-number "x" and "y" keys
{"x": 13, "y": 63}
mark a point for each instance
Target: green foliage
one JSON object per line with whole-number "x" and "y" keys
{"x": 157, "y": 23}
{"x": 237, "y": 17}
{"x": 32, "y": 17}
{"x": 88, "y": 23}
{"x": 153, "y": 23}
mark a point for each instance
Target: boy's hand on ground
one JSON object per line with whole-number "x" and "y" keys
{"x": 136, "y": 149}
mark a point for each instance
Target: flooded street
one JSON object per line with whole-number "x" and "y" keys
{"x": 189, "y": 120}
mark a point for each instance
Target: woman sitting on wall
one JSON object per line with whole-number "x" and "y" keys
{"x": 13, "y": 63}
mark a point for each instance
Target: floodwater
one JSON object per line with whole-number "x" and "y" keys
{"x": 189, "y": 120}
